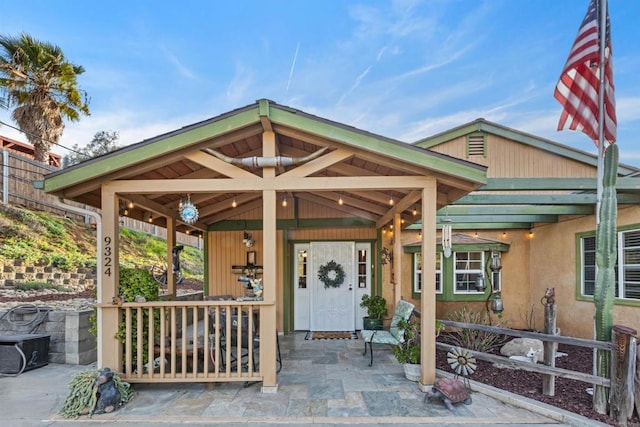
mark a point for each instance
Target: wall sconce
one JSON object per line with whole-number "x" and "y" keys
{"x": 446, "y": 237}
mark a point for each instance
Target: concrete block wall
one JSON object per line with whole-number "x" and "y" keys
{"x": 70, "y": 343}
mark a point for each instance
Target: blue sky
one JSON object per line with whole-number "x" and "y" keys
{"x": 402, "y": 69}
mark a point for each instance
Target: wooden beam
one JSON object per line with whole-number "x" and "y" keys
{"x": 237, "y": 185}
{"x": 143, "y": 158}
{"x": 320, "y": 163}
{"x": 209, "y": 161}
{"x": 402, "y": 205}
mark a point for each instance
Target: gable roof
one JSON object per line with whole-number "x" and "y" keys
{"x": 481, "y": 125}
{"x": 521, "y": 202}
{"x": 193, "y": 152}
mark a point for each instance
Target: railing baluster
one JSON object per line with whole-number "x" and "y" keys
{"x": 163, "y": 341}
{"x": 127, "y": 342}
{"x": 140, "y": 341}
{"x": 151, "y": 345}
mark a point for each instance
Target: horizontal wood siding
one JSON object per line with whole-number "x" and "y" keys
{"x": 309, "y": 234}
{"x": 226, "y": 249}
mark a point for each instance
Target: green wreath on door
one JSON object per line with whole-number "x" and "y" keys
{"x": 331, "y": 274}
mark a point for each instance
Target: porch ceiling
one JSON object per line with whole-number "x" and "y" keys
{"x": 353, "y": 159}
{"x": 362, "y": 169}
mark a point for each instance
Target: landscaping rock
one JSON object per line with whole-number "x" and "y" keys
{"x": 521, "y": 346}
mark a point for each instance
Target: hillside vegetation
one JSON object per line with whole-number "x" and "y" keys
{"x": 44, "y": 238}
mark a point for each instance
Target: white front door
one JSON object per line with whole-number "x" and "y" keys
{"x": 332, "y": 308}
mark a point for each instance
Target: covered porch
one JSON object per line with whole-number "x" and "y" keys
{"x": 280, "y": 177}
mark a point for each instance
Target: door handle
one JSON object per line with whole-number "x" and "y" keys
{"x": 350, "y": 287}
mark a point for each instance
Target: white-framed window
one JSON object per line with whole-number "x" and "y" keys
{"x": 627, "y": 267}
{"x": 467, "y": 267}
{"x": 417, "y": 272}
{"x": 301, "y": 267}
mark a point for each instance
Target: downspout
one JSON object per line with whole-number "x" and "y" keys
{"x": 98, "y": 218}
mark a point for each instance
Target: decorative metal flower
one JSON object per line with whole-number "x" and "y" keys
{"x": 461, "y": 361}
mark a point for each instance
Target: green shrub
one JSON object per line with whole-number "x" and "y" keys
{"x": 138, "y": 282}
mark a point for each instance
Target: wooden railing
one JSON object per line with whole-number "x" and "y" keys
{"x": 192, "y": 341}
{"x": 545, "y": 338}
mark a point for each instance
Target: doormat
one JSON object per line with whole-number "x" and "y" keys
{"x": 332, "y": 335}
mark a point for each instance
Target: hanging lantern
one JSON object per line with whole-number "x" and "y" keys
{"x": 496, "y": 263}
{"x": 496, "y": 303}
{"x": 188, "y": 212}
{"x": 446, "y": 237}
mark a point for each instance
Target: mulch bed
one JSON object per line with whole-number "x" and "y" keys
{"x": 570, "y": 394}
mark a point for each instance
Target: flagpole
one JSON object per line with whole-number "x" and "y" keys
{"x": 602, "y": 10}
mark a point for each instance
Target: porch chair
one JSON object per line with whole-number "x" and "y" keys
{"x": 232, "y": 341}
{"x": 394, "y": 335}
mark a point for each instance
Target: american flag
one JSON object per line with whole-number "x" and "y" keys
{"x": 577, "y": 89}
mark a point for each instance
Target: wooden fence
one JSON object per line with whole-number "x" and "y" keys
{"x": 620, "y": 382}
{"x": 19, "y": 173}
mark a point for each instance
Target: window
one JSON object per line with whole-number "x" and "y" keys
{"x": 302, "y": 268}
{"x": 468, "y": 266}
{"x": 417, "y": 273}
{"x": 627, "y": 265}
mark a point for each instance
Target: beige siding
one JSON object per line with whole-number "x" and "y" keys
{"x": 506, "y": 158}
{"x": 557, "y": 242}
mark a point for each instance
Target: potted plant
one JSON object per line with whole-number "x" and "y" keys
{"x": 408, "y": 352}
{"x": 376, "y": 310}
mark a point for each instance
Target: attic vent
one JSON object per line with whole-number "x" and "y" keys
{"x": 475, "y": 145}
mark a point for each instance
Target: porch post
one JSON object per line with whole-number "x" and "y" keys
{"x": 109, "y": 348}
{"x": 428, "y": 296}
{"x": 269, "y": 279}
{"x": 397, "y": 259}
{"x": 171, "y": 241}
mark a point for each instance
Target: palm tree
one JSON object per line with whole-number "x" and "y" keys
{"x": 41, "y": 84}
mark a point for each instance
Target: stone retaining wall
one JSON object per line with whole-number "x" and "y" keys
{"x": 70, "y": 342}
{"x": 15, "y": 272}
